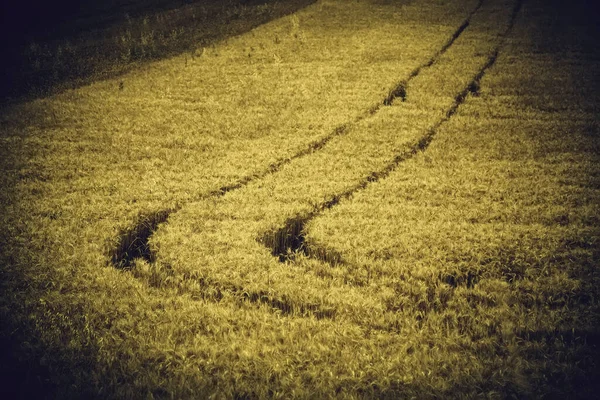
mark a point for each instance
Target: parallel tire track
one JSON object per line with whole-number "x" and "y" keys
{"x": 289, "y": 239}
{"x": 133, "y": 241}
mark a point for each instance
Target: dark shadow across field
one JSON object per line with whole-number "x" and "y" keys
{"x": 51, "y": 47}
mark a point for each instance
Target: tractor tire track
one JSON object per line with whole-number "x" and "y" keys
{"x": 212, "y": 280}
{"x": 225, "y": 257}
{"x": 400, "y": 91}
{"x": 218, "y": 271}
{"x": 133, "y": 242}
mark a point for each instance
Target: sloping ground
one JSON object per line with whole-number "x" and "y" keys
{"x": 393, "y": 149}
{"x": 58, "y": 46}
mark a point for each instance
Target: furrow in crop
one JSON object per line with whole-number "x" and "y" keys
{"x": 133, "y": 242}
{"x": 289, "y": 240}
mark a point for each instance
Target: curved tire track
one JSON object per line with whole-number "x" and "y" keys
{"x": 221, "y": 271}
{"x": 133, "y": 242}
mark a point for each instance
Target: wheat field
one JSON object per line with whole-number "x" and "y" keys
{"x": 365, "y": 199}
